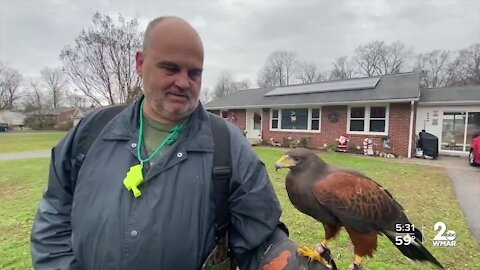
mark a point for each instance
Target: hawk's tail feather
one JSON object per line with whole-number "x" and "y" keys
{"x": 415, "y": 250}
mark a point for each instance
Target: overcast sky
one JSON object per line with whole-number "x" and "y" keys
{"x": 238, "y": 36}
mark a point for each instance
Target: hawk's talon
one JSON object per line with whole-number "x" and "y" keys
{"x": 314, "y": 255}
{"x": 310, "y": 253}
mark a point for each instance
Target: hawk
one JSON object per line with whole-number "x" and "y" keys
{"x": 345, "y": 198}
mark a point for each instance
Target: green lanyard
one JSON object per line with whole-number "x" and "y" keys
{"x": 135, "y": 175}
{"x": 172, "y": 137}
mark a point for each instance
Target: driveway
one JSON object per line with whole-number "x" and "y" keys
{"x": 466, "y": 180}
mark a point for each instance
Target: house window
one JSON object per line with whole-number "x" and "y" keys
{"x": 368, "y": 119}
{"x": 357, "y": 119}
{"x": 274, "y": 124}
{"x": 377, "y": 119}
{"x": 257, "y": 121}
{"x": 300, "y": 119}
{"x": 294, "y": 119}
{"x": 315, "y": 121}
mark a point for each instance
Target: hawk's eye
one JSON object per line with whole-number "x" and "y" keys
{"x": 297, "y": 159}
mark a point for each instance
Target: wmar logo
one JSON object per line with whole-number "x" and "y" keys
{"x": 443, "y": 239}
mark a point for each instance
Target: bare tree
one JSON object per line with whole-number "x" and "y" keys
{"x": 288, "y": 59}
{"x": 392, "y": 58}
{"x": 205, "y": 95}
{"x": 267, "y": 77}
{"x": 436, "y": 68}
{"x": 36, "y": 96}
{"x": 36, "y": 101}
{"x": 307, "y": 72}
{"x": 223, "y": 85}
{"x": 279, "y": 69}
{"x": 343, "y": 69}
{"x": 240, "y": 85}
{"x": 378, "y": 58}
{"x": 102, "y": 61}
{"x": 75, "y": 99}
{"x": 368, "y": 57}
{"x": 466, "y": 67}
{"x": 226, "y": 85}
{"x": 10, "y": 92}
{"x": 54, "y": 80}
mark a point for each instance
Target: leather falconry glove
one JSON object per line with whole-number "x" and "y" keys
{"x": 285, "y": 255}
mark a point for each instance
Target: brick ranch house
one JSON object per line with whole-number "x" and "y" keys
{"x": 380, "y": 108}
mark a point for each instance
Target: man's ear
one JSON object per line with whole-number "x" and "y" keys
{"x": 139, "y": 62}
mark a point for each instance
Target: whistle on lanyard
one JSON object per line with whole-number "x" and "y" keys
{"x": 134, "y": 179}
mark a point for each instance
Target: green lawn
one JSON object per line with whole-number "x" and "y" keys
{"x": 425, "y": 192}
{"x": 26, "y": 142}
{"x": 20, "y": 192}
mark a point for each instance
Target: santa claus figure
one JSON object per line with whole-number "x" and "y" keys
{"x": 342, "y": 143}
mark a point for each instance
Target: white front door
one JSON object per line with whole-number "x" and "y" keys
{"x": 254, "y": 124}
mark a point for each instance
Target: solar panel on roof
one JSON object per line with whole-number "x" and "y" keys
{"x": 346, "y": 85}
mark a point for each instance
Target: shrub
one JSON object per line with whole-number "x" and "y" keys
{"x": 33, "y": 123}
{"x": 354, "y": 148}
{"x": 64, "y": 126}
{"x": 331, "y": 148}
{"x": 36, "y": 124}
{"x": 294, "y": 143}
{"x": 287, "y": 141}
{"x": 304, "y": 142}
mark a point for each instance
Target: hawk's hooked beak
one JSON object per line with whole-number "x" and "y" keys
{"x": 284, "y": 162}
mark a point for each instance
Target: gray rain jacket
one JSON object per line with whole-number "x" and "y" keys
{"x": 98, "y": 224}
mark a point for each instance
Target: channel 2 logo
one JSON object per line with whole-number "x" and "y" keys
{"x": 443, "y": 239}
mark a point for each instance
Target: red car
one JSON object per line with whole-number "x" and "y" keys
{"x": 474, "y": 157}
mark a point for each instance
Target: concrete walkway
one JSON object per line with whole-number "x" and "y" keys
{"x": 466, "y": 180}
{"x": 22, "y": 155}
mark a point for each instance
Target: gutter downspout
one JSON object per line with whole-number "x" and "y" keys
{"x": 410, "y": 136}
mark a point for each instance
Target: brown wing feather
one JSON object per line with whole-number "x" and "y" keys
{"x": 357, "y": 201}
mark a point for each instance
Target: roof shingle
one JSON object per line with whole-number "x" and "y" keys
{"x": 397, "y": 87}
{"x": 454, "y": 94}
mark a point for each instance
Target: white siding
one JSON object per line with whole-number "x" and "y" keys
{"x": 431, "y": 118}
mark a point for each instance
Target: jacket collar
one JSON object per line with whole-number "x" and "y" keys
{"x": 197, "y": 136}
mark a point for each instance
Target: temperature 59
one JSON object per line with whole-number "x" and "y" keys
{"x": 403, "y": 239}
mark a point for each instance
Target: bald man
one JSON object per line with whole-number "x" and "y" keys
{"x": 143, "y": 196}
{"x": 171, "y": 66}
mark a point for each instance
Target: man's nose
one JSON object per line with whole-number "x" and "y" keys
{"x": 183, "y": 80}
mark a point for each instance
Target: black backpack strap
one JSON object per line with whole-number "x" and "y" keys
{"x": 102, "y": 118}
{"x": 84, "y": 140}
{"x": 221, "y": 174}
{"x": 222, "y": 171}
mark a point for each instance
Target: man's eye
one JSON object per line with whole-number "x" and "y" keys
{"x": 170, "y": 70}
{"x": 194, "y": 74}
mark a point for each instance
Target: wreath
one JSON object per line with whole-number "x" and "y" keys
{"x": 333, "y": 117}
